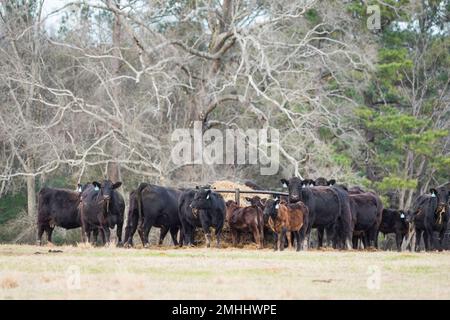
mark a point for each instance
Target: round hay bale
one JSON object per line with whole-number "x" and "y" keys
{"x": 229, "y": 185}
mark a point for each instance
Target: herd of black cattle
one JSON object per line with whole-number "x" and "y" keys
{"x": 343, "y": 217}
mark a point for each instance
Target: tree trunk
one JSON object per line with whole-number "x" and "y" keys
{"x": 113, "y": 170}
{"x": 31, "y": 196}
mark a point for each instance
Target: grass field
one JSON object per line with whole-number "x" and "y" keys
{"x": 31, "y": 272}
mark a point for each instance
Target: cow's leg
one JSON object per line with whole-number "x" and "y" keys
{"x": 208, "y": 238}
{"x": 89, "y": 234}
{"x": 283, "y": 236}
{"x": 275, "y": 241}
{"x": 418, "y": 238}
{"x": 296, "y": 236}
{"x": 330, "y": 233}
{"x": 234, "y": 236}
{"x": 376, "y": 239}
{"x": 371, "y": 234}
{"x": 320, "y": 233}
{"x": 355, "y": 241}
{"x": 192, "y": 237}
{"x": 49, "y": 231}
{"x": 186, "y": 231}
{"x": 106, "y": 234}
{"x": 119, "y": 234}
{"x": 41, "y": 229}
{"x": 206, "y": 226}
{"x": 398, "y": 240}
{"x": 95, "y": 233}
{"x": 218, "y": 236}
{"x": 302, "y": 237}
{"x": 426, "y": 240}
{"x": 174, "y": 235}
{"x": 256, "y": 235}
{"x": 162, "y": 234}
{"x": 140, "y": 230}
{"x": 261, "y": 233}
{"x": 148, "y": 224}
{"x": 441, "y": 239}
{"x": 289, "y": 239}
{"x": 84, "y": 232}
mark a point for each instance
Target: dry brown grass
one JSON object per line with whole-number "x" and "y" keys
{"x": 197, "y": 273}
{"x": 8, "y": 283}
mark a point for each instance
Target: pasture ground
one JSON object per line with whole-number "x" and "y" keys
{"x": 68, "y": 272}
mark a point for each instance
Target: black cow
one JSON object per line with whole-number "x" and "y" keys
{"x": 58, "y": 207}
{"x": 201, "y": 208}
{"x": 367, "y": 209}
{"x": 102, "y": 207}
{"x": 153, "y": 206}
{"x": 329, "y": 208}
{"x": 431, "y": 213}
{"x": 394, "y": 221}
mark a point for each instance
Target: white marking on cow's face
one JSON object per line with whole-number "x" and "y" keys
{"x": 207, "y": 197}
{"x": 402, "y": 216}
{"x": 79, "y": 189}
{"x": 433, "y": 195}
{"x": 285, "y": 185}
{"x": 96, "y": 188}
{"x": 277, "y": 206}
{"x": 311, "y": 185}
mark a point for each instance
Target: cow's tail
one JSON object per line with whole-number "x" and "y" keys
{"x": 141, "y": 187}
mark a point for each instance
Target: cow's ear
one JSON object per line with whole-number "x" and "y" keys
{"x": 331, "y": 182}
{"x": 285, "y": 183}
{"x": 433, "y": 192}
{"x": 117, "y": 185}
{"x": 97, "y": 185}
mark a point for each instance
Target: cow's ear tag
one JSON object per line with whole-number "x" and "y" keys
{"x": 433, "y": 195}
{"x": 277, "y": 206}
{"x": 96, "y": 188}
{"x": 402, "y": 216}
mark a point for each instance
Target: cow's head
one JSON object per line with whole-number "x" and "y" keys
{"x": 441, "y": 194}
{"x": 406, "y": 216}
{"x": 324, "y": 182}
{"x": 308, "y": 183}
{"x": 255, "y": 201}
{"x": 293, "y": 185}
{"x": 271, "y": 209}
{"x": 106, "y": 188}
{"x": 202, "y": 199}
{"x": 81, "y": 187}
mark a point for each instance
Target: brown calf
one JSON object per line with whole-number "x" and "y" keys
{"x": 286, "y": 219}
{"x": 245, "y": 219}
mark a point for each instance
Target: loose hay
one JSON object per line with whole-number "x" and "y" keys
{"x": 229, "y": 185}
